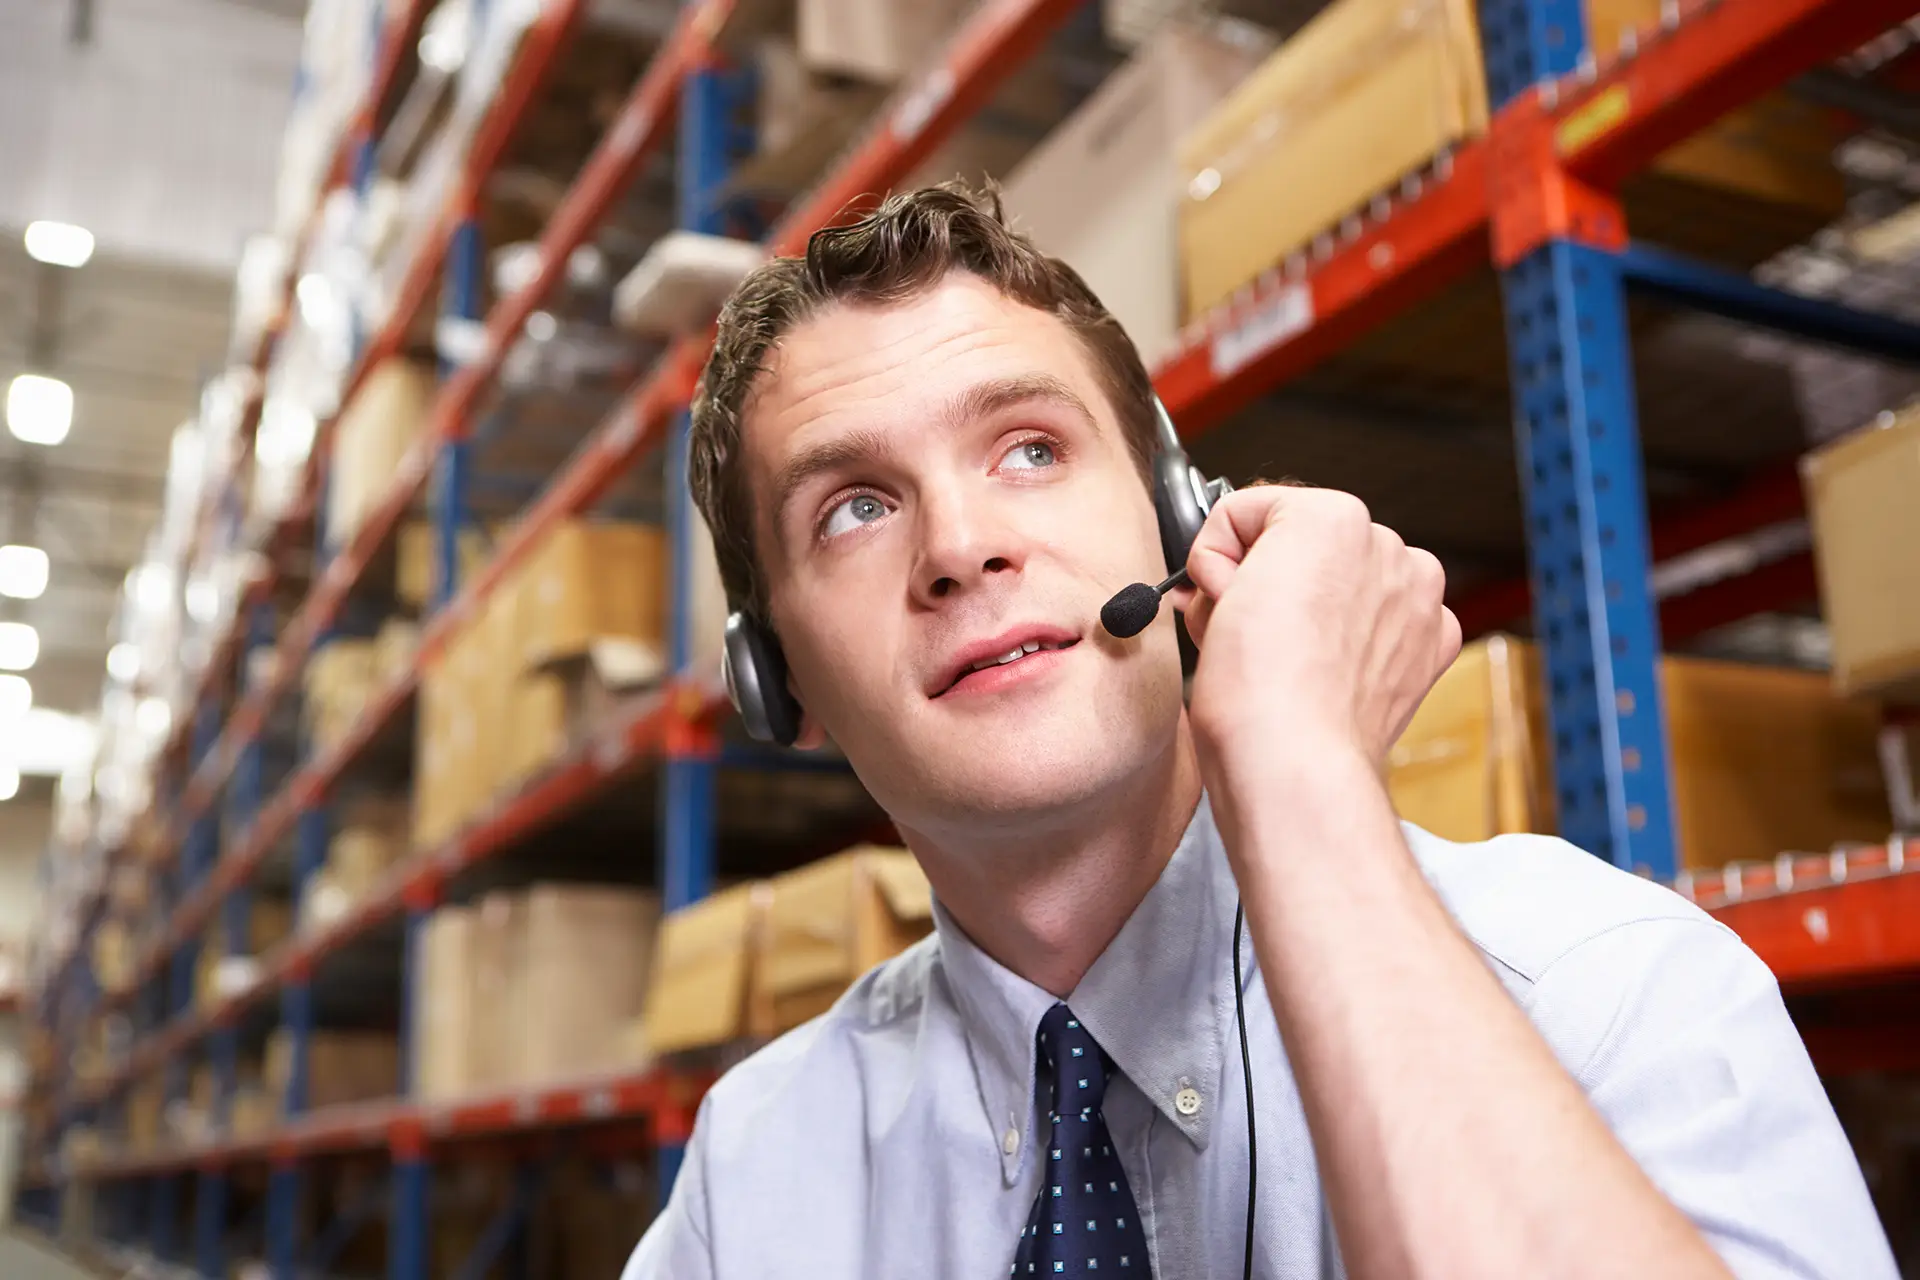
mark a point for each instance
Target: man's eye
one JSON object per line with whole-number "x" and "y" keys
{"x": 1032, "y": 455}
{"x": 861, "y": 508}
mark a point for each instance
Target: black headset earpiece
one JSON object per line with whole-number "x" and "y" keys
{"x": 1182, "y": 497}
{"x": 756, "y": 670}
{"x": 756, "y": 676}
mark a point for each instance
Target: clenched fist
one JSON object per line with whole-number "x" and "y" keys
{"x": 1319, "y": 630}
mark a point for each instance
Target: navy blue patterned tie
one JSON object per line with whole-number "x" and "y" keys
{"x": 1084, "y": 1220}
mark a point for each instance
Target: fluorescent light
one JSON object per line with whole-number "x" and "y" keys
{"x": 203, "y": 601}
{"x": 123, "y": 662}
{"x": 39, "y": 410}
{"x": 49, "y": 743}
{"x": 151, "y": 586}
{"x": 16, "y": 697}
{"x": 153, "y": 717}
{"x": 19, "y": 646}
{"x": 9, "y": 782}
{"x": 59, "y": 244}
{"x": 23, "y": 572}
{"x": 541, "y": 326}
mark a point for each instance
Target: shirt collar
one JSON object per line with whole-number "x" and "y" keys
{"x": 1158, "y": 999}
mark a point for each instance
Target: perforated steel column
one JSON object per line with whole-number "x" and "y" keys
{"x": 1594, "y": 612}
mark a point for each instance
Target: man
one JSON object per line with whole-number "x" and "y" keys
{"x": 922, "y": 452}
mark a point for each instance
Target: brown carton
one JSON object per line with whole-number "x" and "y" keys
{"x": 831, "y": 921}
{"x": 699, "y": 991}
{"x": 583, "y": 957}
{"x": 1763, "y": 761}
{"x": 1866, "y": 526}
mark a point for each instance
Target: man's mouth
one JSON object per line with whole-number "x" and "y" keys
{"x": 1012, "y": 655}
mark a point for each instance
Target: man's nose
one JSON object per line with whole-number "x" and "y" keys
{"x": 963, "y": 544}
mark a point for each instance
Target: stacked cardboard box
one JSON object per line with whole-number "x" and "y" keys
{"x": 143, "y": 1118}
{"x": 495, "y": 707}
{"x": 371, "y": 438}
{"x": 218, "y": 974}
{"x": 1370, "y": 90}
{"x": 761, "y": 958}
{"x": 1866, "y": 524}
{"x": 443, "y": 1015}
{"x": 416, "y": 552}
{"x": 1103, "y": 191}
{"x": 340, "y": 680}
{"x": 113, "y": 956}
{"x": 1763, "y": 761}
{"x": 342, "y": 1067}
{"x": 370, "y": 840}
{"x": 531, "y": 986}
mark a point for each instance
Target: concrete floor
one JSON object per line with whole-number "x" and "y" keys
{"x": 23, "y": 1259}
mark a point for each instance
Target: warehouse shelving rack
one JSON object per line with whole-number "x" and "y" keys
{"x": 1532, "y": 197}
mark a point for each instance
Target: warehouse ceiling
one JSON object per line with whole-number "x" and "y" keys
{"x": 155, "y": 125}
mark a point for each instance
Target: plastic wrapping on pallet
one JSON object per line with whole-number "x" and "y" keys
{"x": 680, "y": 284}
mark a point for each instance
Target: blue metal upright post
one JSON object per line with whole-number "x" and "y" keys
{"x": 712, "y": 104}
{"x": 1578, "y": 446}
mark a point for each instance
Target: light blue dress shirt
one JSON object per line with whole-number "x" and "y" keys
{"x": 896, "y": 1135}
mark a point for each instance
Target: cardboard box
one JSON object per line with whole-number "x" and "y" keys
{"x": 566, "y": 700}
{"x": 804, "y": 119}
{"x": 584, "y": 955}
{"x": 1367, "y": 91}
{"x": 394, "y": 647}
{"x": 444, "y": 1014}
{"x": 1777, "y": 149}
{"x": 499, "y": 960}
{"x": 699, "y": 992}
{"x": 831, "y": 921}
{"x": 113, "y": 957}
{"x": 342, "y": 1067}
{"x": 588, "y": 582}
{"x": 143, "y": 1118}
{"x": 416, "y": 553}
{"x": 878, "y": 41}
{"x": 1866, "y": 526}
{"x": 1763, "y": 760}
{"x": 1370, "y": 91}
{"x": 1103, "y": 191}
{"x": 340, "y": 680}
{"x": 371, "y": 438}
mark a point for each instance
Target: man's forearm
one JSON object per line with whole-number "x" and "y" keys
{"x": 1450, "y": 1140}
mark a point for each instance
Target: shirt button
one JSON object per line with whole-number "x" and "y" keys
{"x": 1010, "y": 1143}
{"x": 1187, "y": 1102}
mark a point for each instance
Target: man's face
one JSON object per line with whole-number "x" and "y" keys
{"x": 939, "y": 483}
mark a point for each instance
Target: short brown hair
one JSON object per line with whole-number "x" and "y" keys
{"x": 910, "y": 243}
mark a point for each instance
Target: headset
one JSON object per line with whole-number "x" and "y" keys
{"x": 755, "y": 670}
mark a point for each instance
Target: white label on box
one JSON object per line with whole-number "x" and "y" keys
{"x": 1272, "y": 321}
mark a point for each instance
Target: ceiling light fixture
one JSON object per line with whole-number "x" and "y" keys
{"x": 39, "y": 410}
{"x": 59, "y": 244}
{"x": 123, "y": 662}
{"x": 19, "y": 646}
{"x": 16, "y": 698}
{"x": 23, "y": 572}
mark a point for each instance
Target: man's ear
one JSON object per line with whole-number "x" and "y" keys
{"x": 812, "y": 736}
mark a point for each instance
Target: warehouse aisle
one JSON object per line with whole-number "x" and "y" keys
{"x": 22, "y": 1259}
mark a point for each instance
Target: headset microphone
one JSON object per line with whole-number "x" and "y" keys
{"x": 1129, "y": 612}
